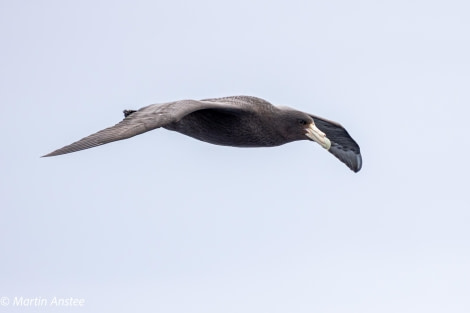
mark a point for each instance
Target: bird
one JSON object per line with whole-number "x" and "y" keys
{"x": 237, "y": 121}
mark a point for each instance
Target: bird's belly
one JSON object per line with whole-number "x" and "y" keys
{"x": 225, "y": 130}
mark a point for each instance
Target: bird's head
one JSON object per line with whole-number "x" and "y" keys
{"x": 300, "y": 126}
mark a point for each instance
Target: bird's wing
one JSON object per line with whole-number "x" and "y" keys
{"x": 143, "y": 120}
{"x": 342, "y": 145}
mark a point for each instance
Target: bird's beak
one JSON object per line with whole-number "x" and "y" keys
{"x": 318, "y": 136}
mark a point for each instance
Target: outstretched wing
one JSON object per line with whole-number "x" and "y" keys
{"x": 342, "y": 145}
{"x": 143, "y": 120}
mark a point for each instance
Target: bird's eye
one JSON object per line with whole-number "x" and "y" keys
{"x": 302, "y": 122}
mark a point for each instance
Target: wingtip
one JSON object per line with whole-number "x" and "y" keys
{"x": 53, "y": 153}
{"x": 358, "y": 164}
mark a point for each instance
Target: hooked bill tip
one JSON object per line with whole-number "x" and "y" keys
{"x": 318, "y": 136}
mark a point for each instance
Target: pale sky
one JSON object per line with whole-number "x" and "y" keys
{"x": 165, "y": 223}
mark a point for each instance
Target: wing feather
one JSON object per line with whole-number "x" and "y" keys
{"x": 143, "y": 120}
{"x": 343, "y": 145}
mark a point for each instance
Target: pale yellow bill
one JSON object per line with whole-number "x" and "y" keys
{"x": 318, "y": 136}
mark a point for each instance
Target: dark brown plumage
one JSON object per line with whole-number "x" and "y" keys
{"x": 239, "y": 121}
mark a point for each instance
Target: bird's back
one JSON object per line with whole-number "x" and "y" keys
{"x": 238, "y": 123}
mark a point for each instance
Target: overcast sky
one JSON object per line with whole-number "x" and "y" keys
{"x": 166, "y": 223}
